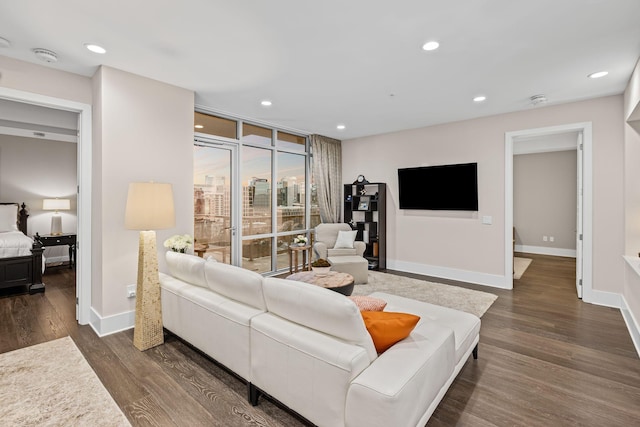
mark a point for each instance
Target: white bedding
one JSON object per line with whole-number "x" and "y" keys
{"x": 15, "y": 243}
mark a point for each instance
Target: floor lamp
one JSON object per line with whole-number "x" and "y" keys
{"x": 149, "y": 208}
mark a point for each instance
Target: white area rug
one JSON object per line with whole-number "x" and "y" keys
{"x": 520, "y": 265}
{"x": 51, "y": 384}
{"x": 474, "y": 302}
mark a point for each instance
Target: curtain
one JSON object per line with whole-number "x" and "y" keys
{"x": 327, "y": 173}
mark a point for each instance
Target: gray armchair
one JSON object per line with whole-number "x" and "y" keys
{"x": 325, "y": 239}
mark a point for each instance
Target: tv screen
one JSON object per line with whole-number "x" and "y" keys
{"x": 446, "y": 187}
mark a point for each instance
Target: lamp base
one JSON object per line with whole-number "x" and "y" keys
{"x": 148, "y": 330}
{"x": 56, "y": 224}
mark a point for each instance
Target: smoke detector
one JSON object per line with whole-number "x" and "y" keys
{"x": 538, "y": 99}
{"x": 46, "y": 55}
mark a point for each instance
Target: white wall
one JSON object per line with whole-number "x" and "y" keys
{"x": 20, "y": 75}
{"x": 544, "y": 201}
{"x": 143, "y": 132}
{"x": 631, "y": 293}
{"x": 34, "y": 169}
{"x": 460, "y": 246}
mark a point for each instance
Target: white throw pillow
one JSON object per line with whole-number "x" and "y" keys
{"x": 345, "y": 239}
{"x": 8, "y": 218}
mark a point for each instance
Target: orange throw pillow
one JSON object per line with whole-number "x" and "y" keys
{"x": 387, "y": 328}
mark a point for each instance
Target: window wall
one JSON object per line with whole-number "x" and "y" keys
{"x": 276, "y": 197}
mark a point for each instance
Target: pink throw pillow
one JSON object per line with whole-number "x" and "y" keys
{"x": 368, "y": 303}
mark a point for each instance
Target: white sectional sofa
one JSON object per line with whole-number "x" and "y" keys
{"x": 308, "y": 347}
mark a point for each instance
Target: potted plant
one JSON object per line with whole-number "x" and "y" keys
{"x": 321, "y": 266}
{"x": 300, "y": 240}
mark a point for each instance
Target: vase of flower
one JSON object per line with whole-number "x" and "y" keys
{"x": 300, "y": 240}
{"x": 179, "y": 243}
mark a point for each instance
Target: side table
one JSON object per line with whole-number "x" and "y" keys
{"x": 294, "y": 250}
{"x": 68, "y": 239}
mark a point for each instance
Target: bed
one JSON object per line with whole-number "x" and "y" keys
{"x": 21, "y": 261}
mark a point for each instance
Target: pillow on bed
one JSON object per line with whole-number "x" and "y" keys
{"x": 8, "y": 218}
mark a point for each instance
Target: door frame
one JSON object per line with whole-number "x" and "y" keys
{"x": 84, "y": 177}
{"x": 587, "y": 202}
{"x": 235, "y": 217}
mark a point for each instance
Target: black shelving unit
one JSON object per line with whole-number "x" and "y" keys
{"x": 365, "y": 208}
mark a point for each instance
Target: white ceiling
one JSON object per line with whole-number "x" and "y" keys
{"x": 322, "y": 63}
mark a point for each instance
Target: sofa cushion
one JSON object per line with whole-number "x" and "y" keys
{"x": 318, "y": 308}
{"x": 465, "y": 326}
{"x": 236, "y": 283}
{"x": 365, "y": 303}
{"x": 387, "y": 328}
{"x": 188, "y": 268}
{"x": 404, "y": 380}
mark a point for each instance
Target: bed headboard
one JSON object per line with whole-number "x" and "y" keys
{"x": 21, "y": 220}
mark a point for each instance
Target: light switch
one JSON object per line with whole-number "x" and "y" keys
{"x": 488, "y": 220}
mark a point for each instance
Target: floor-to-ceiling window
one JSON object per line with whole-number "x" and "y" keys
{"x": 253, "y": 192}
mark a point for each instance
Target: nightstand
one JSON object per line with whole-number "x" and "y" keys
{"x": 60, "y": 240}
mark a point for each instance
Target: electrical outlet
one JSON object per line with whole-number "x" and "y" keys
{"x": 131, "y": 291}
{"x": 545, "y": 238}
{"x": 551, "y": 238}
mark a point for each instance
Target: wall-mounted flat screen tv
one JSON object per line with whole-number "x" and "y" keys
{"x": 446, "y": 187}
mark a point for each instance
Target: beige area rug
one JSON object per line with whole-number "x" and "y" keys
{"x": 520, "y": 265}
{"x": 51, "y": 384}
{"x": 474, "y": 302}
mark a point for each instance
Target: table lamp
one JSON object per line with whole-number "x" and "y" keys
{"x": 149, "y": 208}
{"x": 56, "y": 220}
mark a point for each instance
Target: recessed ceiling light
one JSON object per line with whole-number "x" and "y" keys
{"x": 432, "y": 45}
{"x": 95, "y": 48}
{"x": 198, "y": 126}
{"x": 266, "y": 103}
{"x": 480, "y": 98}
{"x": 341, "y": 127}
{"x": 598, "y": 74}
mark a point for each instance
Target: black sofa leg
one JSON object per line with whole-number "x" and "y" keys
{"x": 475, "y": 352}
{"x": 254, "y": 394}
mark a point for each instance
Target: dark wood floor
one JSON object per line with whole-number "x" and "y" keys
{"x": 546, "y": 359}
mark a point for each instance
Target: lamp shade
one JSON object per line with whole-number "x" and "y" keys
{"x": 56, "y": 204}
{"x": 150, "y": 206}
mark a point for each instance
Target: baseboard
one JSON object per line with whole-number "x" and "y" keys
{"x": 607, "y": 299}
{"x": 112, "y": 324}
{"x": 493, "y": 280}
{"x": 632, "y": 324}
{"x": 545, "y": 250}
{"x": 56, "y": 259}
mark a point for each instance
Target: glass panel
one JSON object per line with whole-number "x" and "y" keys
{"x": 213, "y": 125}
{"x": 212, "y": 202}
{"x": 290, "y": 192}
{"x": 256, "y": 135}
{"x": 287, "y": 141}
{"x": 256, "y": 191}
{"x": 256, "y": 255}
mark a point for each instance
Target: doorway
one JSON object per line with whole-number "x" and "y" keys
{"x": 84, "y": 175}
{"x": 584, "y": 198}
{"x": 215, "y": 219}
